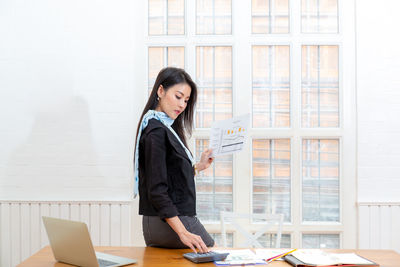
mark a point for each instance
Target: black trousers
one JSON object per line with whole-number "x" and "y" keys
{"x": 158, "y": 233}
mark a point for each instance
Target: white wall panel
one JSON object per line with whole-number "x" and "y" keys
{"x": 126, "y": 224}
{"x": 5, "y": 240}
{"x": 35, "y": 226}
{"x": 15, "y": 231}
{"x": 395, "y": 232}
{"x": 95, "y": 223}
{"x": 23, "y": 233}
{"x": 25, "y": 221}
{"x": 379, "y": 225}
{"x": 363, "y": 227}
{"x": 44, "y": 211}
{"x": 115, "y": 225}
{"x": 104, "y": 225}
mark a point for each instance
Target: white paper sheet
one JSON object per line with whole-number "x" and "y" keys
{"x": 239, "y": 257}
{"x": 229, "y": 136}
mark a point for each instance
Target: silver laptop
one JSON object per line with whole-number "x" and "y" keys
{"x": 71, "y": 243}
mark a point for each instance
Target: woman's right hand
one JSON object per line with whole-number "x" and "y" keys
{"x": 193, "y": 241}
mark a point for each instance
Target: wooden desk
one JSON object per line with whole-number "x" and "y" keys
{"x": 173, "y": 257}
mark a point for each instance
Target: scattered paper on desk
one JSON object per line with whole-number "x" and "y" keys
{"x": 229, "y": 136}
{"x": 239, "y": 257}
{"x": 262, "y": 253}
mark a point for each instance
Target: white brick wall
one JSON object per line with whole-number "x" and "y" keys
{"x": 378, "y": 94}
{"x": 67, "y": 98}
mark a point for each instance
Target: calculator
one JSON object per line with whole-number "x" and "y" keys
{"x": 205, "y": 257}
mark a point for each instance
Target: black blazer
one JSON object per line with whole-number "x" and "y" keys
{"x": 166, "y": 175}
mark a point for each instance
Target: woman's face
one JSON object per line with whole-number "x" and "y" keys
{"x": 174, "y": 100}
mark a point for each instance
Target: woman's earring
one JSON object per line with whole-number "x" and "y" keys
{"x": 158, "y": 98}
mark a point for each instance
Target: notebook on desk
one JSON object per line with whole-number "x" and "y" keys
{"x": 70, "y": 242}
{"x": 316, "y": 257}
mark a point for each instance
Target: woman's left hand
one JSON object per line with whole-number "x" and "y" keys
{"x": 205, "y": 160}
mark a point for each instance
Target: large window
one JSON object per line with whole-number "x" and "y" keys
{"x": 284, "y": 63}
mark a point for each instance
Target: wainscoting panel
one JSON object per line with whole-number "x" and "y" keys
{"x": 379, "y": 226}
{"x": 23, "y": 234}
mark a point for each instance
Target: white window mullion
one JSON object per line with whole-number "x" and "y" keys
{"x": 165, "y": 24}
{"x": 190, "y": 58}
{"x": 295, "y": 126}
{"x": 348, "y": 118}
{"x": 295, "y": 65}
{"x": 241, "y": 14}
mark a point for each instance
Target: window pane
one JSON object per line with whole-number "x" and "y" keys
{"x": 213, "y": 186}
{"x": 271, "y": 177}
{"x": 320, "y": 86}
{"x": 269, "y": 241}
{"x": 321, "y": 241}
{"x": 270, "y": 16}
{"x": 214, "y": 81}
{"x": 214, "y": 17}
{"x": 271, "y": 86}
{"x": 166, "y": 17}
{"x": 176, "y": 17}
{"x": 161, "y": 57}
{"x": 320, "y": 180}
{"x": 157, "y": 17}
{"x": 218, "y": 239}
{"x": 319, "y": 16}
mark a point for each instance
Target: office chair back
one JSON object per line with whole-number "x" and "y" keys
{"x": 268, "y": 221}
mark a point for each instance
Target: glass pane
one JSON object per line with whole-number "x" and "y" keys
{"x": 271, "y": 86}
{"x": 166, "y": 17}
{"x": 157, "y": 17}
{"x": 161, "y": 57}
{"x": 271, "y": 177}
{"x": 319, "y": 16}
{"x": 176, "y": 57}
{"x": 320, "y": 184}
{"x": 214, "y": 186}
{"x": 270, "y": 16}
{"x": 321, "y": 241}
{"x": 176, "y": 17}
{"x": 214, "y": 81}
{"x": 320, "y": 86}
{"x": 218, "y": 239}
{"x": 269, "y": 241}
{"x": 214, "y": 17}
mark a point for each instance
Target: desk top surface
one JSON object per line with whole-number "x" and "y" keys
{"x": 147, "y": 256}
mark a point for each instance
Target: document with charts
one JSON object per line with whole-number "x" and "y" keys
{"x": 229, "y": 136}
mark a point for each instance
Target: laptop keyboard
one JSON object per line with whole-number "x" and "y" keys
{"x": 105, "y": 262}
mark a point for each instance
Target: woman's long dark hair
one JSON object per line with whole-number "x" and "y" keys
{"x": 167, "y": 77}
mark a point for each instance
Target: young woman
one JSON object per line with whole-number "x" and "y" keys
{"x": 165, "y": 168}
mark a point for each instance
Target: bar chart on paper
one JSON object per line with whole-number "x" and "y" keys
{"x": 229, "y": 136}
